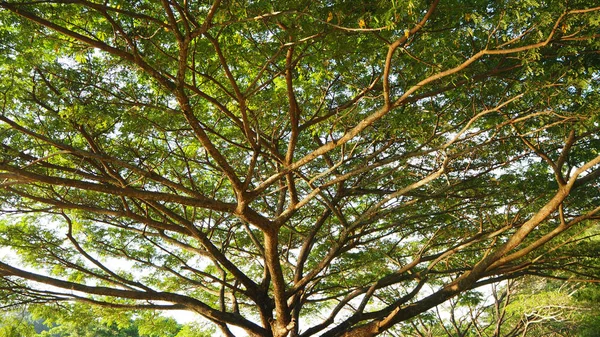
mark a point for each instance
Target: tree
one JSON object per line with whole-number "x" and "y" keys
{"x": 16, "y": 324}
{"x": 295, "y": 168}
{"x": 525, "y": 307}
{"x": 83, "y": 320}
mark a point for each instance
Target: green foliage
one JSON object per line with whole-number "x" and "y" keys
{"x": 294, "y": 167}
{"x": 84, "y": 321}
{"x": 555, "y": 308}
{"x": 529, "y": 307}
{"x": 16, "y": 324}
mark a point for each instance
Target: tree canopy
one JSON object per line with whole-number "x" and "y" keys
{"x": 295, "y": 168}
{"x": 82, "y": 320}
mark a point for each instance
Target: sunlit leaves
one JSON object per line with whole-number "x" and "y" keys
{"x": 158, "y": 148}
